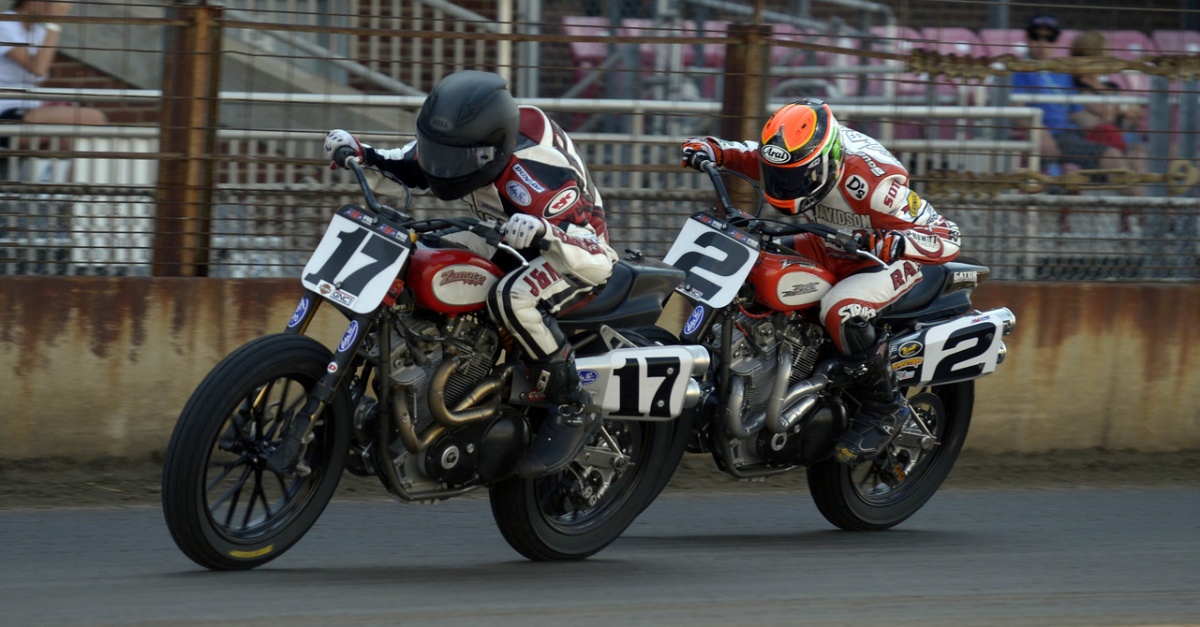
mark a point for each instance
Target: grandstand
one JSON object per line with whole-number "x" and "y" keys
{"x": 629, "y": 80}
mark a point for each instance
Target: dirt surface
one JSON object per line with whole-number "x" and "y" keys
{"x": 131, "y": 482}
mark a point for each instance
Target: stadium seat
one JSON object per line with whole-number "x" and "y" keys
{"x": 959, "y": 41}
{"x": 1176, "y": 41}
{"x": 586, "y": 55}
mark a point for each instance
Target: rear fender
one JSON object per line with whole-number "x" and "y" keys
{"x": 650, "y": 383}
{"x": 959, "y": 349}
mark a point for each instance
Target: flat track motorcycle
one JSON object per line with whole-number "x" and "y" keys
{"x": 425, "y": 392}
{"x": 777, "y": 397}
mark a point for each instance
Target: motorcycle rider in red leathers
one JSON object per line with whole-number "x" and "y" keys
{"x": 474, "y": 143}
{"x": 811, "y": 166}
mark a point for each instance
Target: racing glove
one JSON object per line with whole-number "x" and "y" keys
{"x": 887, "y": 245}
{"x": 523, "y": 230}
{"x": 697, "y": 150}
{"x": 338, "y": 138}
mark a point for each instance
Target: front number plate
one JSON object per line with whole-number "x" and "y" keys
{"x": 356, "y": 261}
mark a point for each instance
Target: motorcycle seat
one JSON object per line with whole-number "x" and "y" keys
{"x": 634, "y": 294}
{"x": 935, "y": 281}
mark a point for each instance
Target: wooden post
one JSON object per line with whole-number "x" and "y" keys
{"x": 744, "y": 99}
{"x": 187, "y": 122}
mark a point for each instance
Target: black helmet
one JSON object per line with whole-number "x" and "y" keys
{"x": 466, "y": 132}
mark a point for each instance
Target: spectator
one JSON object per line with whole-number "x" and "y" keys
{"x": 27, "y": 50}
{"x": 1063, "y": 141}
{"x": 1118, "y": 126}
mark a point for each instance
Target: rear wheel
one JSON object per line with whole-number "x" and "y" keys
{"x": 882, "y": 493}
{"x": 575, "y": 513}
{"x": 224, "y": 508}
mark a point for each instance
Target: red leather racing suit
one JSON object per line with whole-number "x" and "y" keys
{"x": 871, "y": 193}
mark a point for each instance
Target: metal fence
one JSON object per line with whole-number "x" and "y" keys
{"x": 291, "y": 69}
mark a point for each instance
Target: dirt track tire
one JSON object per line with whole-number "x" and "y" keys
{"x": 213, "y": 462}
{"x": 843, "y": 497}
{"x": 541, "y": 521}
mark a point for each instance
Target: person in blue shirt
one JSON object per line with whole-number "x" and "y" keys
{"x": 1062, "y": 140}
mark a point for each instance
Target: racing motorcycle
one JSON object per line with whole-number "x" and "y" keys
{"x": 777, "y": 397}
{"x": 425, "y": 392}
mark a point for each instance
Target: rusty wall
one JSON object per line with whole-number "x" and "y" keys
{"x": 101, "y": 367}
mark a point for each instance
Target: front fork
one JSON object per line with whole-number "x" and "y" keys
{"x": 288, "y": 456}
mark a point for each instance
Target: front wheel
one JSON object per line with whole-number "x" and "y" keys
{"x": 224, "y": 508}
{"x": 882, "y": 493}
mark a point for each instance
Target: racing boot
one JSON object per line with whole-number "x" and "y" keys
{"x": 567, "y": 427}
{"x": 883, "y": 410}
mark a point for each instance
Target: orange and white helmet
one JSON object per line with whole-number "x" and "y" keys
{"x": 800, "y": 155}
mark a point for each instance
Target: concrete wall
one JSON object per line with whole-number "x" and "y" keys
{"x": 101, "y": 367}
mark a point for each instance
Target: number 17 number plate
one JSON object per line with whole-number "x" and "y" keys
{"x": 356, "y": 261}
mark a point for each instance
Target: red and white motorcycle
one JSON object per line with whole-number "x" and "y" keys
{"x": 425, "y": 392}
{"x": 776, "y": 397}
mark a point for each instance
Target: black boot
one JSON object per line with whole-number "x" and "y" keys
{"x": 567, "y": 427}
{"x": 883, "y": 412}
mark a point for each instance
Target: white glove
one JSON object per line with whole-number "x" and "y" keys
{"x": 522, "y": 230}
{"x": 338, "y": 138}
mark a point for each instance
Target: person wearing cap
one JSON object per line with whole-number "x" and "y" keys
{"x": 1062, "y": 139}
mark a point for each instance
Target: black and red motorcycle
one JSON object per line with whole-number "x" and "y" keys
{"x": 425, "y": 392}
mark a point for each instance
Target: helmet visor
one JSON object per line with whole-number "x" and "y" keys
{"x": 788, "y": 184}
{"x": 450, "y": 162}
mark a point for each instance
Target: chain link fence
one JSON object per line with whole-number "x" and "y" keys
{"x": 629, "y": 80}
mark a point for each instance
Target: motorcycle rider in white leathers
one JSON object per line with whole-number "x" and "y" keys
{"x": 474, "y": 142}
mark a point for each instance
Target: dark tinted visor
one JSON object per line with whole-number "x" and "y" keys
{"x": 791, "y": 183}
{"x": 448, "y": 162}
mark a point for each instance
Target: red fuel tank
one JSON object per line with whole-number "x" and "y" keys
{"x": 451, "y": 281}
{"x": 788, "y": 282}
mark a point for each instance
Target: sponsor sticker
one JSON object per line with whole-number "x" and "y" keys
{"x": 332, "y": 367}
{"x": 588, "y": 377}
{"x": 527, "y": 179}
{"x": 914, "y": 204}
{"x": 966, "y": 277}
{"x": 518, "y": 193}
{"x": 298, "y": 315}
{"x": 774, "y": 154}
{"x": 562, "y": 201}
{"x": 332, "y": 293}
{"x": 890, "y": 197}
{"x": 694, "y": 320}
{"x": 908, "y": 349}
{"x": 856, "y": 187}
{"x": 349, "y": 337}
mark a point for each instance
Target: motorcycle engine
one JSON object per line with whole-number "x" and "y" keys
{"x": 418, "y": 347}
{"x": 755, "y": 347}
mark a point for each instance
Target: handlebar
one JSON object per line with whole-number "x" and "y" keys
{"x": 842, "y": 239}
{"x": 346, "y": 157}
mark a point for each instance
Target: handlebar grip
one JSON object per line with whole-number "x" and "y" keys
{"x": 342, "y": 154}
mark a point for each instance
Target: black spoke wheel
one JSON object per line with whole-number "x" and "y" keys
{"x": 224, "y": 507}
{"x": 882, "y": 493}
{"x": 575, "y": 513}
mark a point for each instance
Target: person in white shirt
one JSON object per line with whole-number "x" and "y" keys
{"x": 27, "y": 50}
